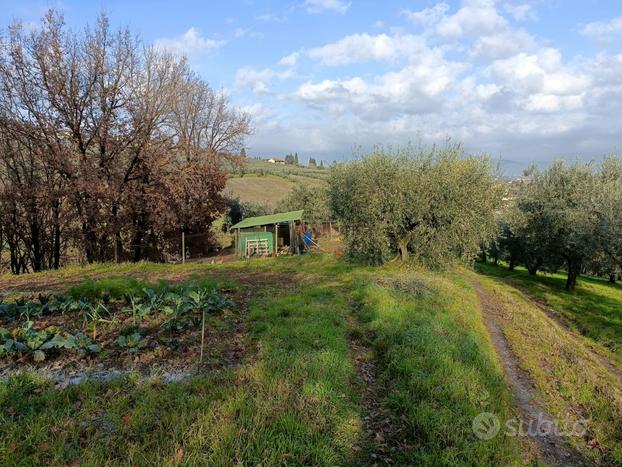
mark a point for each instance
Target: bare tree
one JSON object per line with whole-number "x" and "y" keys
{"x": 105, "y": 124}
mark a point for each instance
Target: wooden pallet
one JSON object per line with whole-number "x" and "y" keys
{"x": 257, "y": 247}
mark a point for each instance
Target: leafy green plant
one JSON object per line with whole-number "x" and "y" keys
{"x": 9, "y": 310}
{"x": 153, "y": 298}
{"x": 205, "y": 300}
{"x": 8, "y": 344}
{"x": 79, "y": 342}
{"x": 177, "y": 312}
{"x": 132, "y": 342}
{"x": 28, "y": 339}
{"x": 30, "y": 309}
{"x": 138, "y": 309}
{"x": 94, "y": 315}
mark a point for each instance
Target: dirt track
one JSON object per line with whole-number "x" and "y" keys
{"x": 568, "y": 326}
{"x": 552, "y": 449}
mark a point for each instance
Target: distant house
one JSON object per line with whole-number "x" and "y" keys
{"x": 274, "y": 160}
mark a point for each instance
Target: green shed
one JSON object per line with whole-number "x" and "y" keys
{"x": 267, "y": 235}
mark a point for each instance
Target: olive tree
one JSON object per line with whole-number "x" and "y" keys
{"x": 559, "y": 217}
{"x": 435, "y": 204}
{"x": 608, "y": 200}
{"x": 312, "y": 199}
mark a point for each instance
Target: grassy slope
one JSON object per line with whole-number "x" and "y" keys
{"x": 571, "y": 380}
{"x": 595, "y": 307}
{"x": 298, "y": 401}
{"x": 268, "y": 190}
{"x": 275, "y": 182}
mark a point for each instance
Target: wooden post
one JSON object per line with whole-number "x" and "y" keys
{"x": 183, "y": 247}
{"x": 330, "y": 230}
{"x": 276, "y": 238}
{"x": 116, "y": 258}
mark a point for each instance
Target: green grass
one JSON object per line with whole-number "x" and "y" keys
{"x": 297, "y": 398}
{"x": 439, "y": 368}
{"x": 571, "y": 381}
{"x": 120, "y": 423}
{"x": 295, "y": 403}
{"x": 595, "y": 307}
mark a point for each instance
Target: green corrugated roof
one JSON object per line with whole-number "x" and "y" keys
{"x": 271, "y": 219}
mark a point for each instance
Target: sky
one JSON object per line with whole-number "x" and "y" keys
{"x": 523, "y": 81}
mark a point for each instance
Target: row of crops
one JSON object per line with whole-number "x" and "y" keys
{"x": 174, "y": 311}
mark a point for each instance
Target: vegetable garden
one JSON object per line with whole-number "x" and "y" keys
{"x": 154, "y": 322}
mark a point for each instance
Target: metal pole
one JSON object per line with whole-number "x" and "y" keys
{"x": 183, "y": 247}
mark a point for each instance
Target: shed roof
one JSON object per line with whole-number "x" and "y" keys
{"x": 271, "y": 219}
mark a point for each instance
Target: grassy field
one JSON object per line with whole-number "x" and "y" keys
{"x": 267, "y": 190}
{"x": 268, "y": 184}
{"x": 299, "y": 395}
{"x": 594, "y": 308}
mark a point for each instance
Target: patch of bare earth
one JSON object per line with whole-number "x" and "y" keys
{"x": 382, "y": 433}
{"x": 553, "y": 449}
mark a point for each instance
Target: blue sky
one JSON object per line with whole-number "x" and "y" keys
{"x": 520, "y": 80}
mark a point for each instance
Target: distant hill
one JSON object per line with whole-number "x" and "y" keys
{"x": 265, "y": 183}
{"x": 265, "y": 167}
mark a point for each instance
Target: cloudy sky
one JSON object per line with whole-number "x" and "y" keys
{"x": 520, "y": 80}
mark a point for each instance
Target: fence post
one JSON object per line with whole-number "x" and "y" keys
{"x": 183, "y": 247}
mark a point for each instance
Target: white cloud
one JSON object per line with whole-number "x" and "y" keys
{"x": 427, "y": 16}
{"x": 260, "y": 113}
{"x": 475, "y": 18}
{"x": 416, "y": 88}
{"x": 521, "y": 12}
{"x": 290, "y": 60}
{"x": 552, "y": 103}
{"x": 240, "y": 33}
{"x": 365, "y": 47}
{"x": 318, "y": 6}
{"x": 189, "y": 43}
{"x": 542, "y": 73}
{"x": 502, "y": 44}
{"x": 479, "y": 29}
{"x": 258, "y": 80}
{"x": 603, "y": 31}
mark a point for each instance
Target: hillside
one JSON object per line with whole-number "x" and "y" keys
{"x": 264, "y": 183}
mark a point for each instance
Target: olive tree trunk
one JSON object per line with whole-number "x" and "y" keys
{"x": 402, "y": 245}
{"x": 574, "y": 269}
